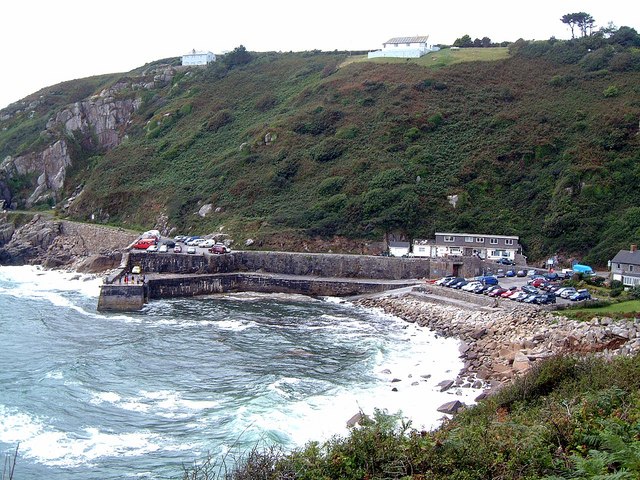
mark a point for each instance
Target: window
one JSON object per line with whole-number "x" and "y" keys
{"x": 631, "y": 268}
{"x": 618, "y": 266}
{"x": 455, "y": 250}
{"x": 468, "y": 239}
{"x": 449, "y": 239}
{"x": 479, "y": 240}
{"x": 508, "y": 241}
{"x": 493, "y": 241}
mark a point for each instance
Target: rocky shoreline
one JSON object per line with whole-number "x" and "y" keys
{"x": 52, "y": 243}
{"x": 502, "y": 343}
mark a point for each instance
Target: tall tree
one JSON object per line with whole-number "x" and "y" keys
{"x": 582, "y": 20}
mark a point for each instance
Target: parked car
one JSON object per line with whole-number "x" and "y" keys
{"x": 582, "y": 294}
{"x": 567, "y": 292}
{"x": 136, "y": 269}
{"x": 497, "y": 292}
{"x": 500, "y": 273}
{"x": 530, "y": 290}
{"x": 459, "y": 285}
{"x": 152, "y": 248}
{"x": 144, "y": 244}
{"x": 509, "y": 292}
{"x": 453, "y": 281}
{"x": 163, "y": 248}
{"x": 443, "y": 280}
{"x": 219, "y": 248}
{"x": 191, "y": 249}
{"x": 506, "y": 261}
{"x": 470, "y": 286}
{"x": 179, "y": 238}
{"x": 208, "y": 243}
{"x": 510, "y": 273}
{"x": 531, "y": 273}
{"x": 519, "y": 296}
{"x": 177, "y": 249}
{"x": 544, "y": 299}
{"x": 552, "y": 276}
{"x": 537, "y": 282}
{"x": 521, "y": 273}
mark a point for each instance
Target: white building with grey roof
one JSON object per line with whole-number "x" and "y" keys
{"x": 625, "y": 267}
{"x": 404, "y": 47}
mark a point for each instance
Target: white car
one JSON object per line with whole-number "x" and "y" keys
{"x": 207, "y": 243}
{"x": 163, "y": 248}
{"x": 191, "y": 249}
{"x": 471, "y": 285}
{"x": 152, "y": 248}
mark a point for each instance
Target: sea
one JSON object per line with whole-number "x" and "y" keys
{"x": 142, "y": 395}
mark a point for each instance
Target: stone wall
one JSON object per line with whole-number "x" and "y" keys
{"x": 192, "y": 285}
{"x": 286, "y": 263}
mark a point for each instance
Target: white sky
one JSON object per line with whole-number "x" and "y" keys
{"x": 44, "y": 42}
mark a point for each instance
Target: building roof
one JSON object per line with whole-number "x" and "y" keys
{"x": 399, "y": 244}
{"x": 198, "y": 52}
{"x": 628, "y": 257}
{"x": 408, "y": 40}
{"x": 514, "y": 237}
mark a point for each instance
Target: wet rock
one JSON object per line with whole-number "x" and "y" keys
{"x": 451, "y": 408}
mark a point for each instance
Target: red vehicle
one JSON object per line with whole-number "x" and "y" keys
{"x": 508, "y": 293}
{"x": 219, "y": 248}
{"x": 144, "y": 243}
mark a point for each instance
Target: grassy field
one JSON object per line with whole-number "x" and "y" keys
{"x": 442, "y": 58}
{"x": 622, "y": 307}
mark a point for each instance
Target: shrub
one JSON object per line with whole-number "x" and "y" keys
{"x": 611, "y": 91}
{"x": 266, "y": 102}
{"x": 219, "y": 120}
{"x": 327, "y": 150}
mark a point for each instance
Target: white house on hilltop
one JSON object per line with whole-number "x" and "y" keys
{"x": 198, "y": 58}
{"x": 404, "y": 47}
{"x": 486, "y": 247}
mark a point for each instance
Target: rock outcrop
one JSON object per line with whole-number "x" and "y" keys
{"x": 503, "y": 343}
{"x": 62, "y": 244}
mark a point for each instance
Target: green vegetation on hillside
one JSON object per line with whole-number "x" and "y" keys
{"x": 567, "y": 418}
{"x": 541, "y": 143}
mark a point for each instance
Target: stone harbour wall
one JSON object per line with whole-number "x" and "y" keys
{"x": 286, "y": 263}
{"x": 205, "y": 284}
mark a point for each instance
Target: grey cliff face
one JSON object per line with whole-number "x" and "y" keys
{"x": 101, "y": 120}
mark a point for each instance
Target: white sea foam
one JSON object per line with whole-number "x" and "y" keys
{"x": 49, "y": 446}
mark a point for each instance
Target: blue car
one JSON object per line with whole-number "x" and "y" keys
{"x": 510, "y": 273}
{"x": 580, "y": 295}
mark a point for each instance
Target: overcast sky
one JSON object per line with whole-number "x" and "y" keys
{"x": 44, "y": 42}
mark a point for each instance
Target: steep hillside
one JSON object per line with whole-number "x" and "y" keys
{"x": 284, "y": 147}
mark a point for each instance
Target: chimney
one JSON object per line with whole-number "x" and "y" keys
{"x": 634, "y": 248}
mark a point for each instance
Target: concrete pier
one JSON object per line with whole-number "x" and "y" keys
{"x": 121, "y": 298}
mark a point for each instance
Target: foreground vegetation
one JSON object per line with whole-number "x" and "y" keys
{"x": 568, "y": 418}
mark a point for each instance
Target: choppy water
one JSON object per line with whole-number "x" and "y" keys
{"x": 87, "y": 395}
